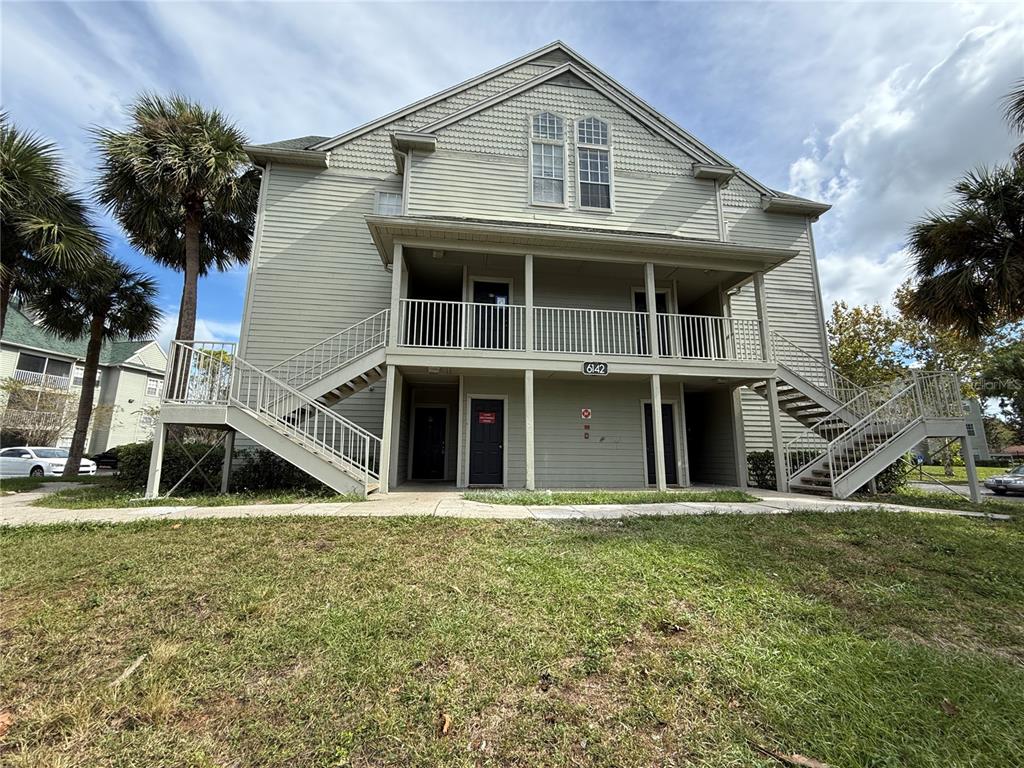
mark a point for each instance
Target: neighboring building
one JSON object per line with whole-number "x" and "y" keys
{"x": 504, "y": 283}
{"x": 42, "y": 377}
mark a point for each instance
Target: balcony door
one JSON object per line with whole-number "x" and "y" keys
{"x": 491, "y": 314}
{"x": 661, "y": 307}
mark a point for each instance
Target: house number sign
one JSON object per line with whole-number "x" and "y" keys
{"x": 595, "y": 369}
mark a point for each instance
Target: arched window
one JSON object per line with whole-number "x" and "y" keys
{"x": 593, "y": 147}
{"x": 547, "y": 159}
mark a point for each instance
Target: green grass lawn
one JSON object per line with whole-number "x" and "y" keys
{"x": 858, "y": 639}
{"x": 24, "y": 484}
{"x": 913, "y": 497}
{"x": 111, "y": 495}
{"x": 551, "y": 498}
{"x": 931, "y": 474}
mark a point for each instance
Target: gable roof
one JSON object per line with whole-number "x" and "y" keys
{"x": 20, "y": 331}
{"x": 561, "y": 58}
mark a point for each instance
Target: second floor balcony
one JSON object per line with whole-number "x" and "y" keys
{"x": 497, "y": 328}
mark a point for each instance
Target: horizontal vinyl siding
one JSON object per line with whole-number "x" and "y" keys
{"x": 491, "y": 187}
{"x": 790, "y": 292}
{"x": 613, "y": 456}
{"x": 317, "y": 270}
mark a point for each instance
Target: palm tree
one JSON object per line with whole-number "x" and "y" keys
{"x": 42, "y": 225}
{"x": 180, "y": 184}
{"x": 969, "y": 261}
{"x": 111, "y": 302}
{"x": 1014, "y": 113}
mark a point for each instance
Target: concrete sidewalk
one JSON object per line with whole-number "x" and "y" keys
{"x": 17, "y": 509}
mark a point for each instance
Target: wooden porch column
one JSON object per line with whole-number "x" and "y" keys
{"x": 781, "y": 479}
{"x": 397, "y": 275}
{"x": 652, "y": 316}
{"x": 972, "y": 472}
{"x": 659, "y": 434}
{"x": 229, "y": 451}
{"x": 762, "y": 316}
{"x": 531, "y": 470}
{"x": 386, "y": 446}
{"x": 156, "y": 461}
{"x": 528, "y": 282}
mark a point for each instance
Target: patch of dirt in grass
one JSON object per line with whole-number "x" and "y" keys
{"x": 638, "y": 706}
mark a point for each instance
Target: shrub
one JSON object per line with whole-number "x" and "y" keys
{"x": 258, "y": 469}
{"x": 761, "y": 469}
{"x": 133, "y": 465}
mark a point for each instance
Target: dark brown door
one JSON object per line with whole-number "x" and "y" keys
{"x": 668, "y": 429}
{"x": 486, "y": 442}
{"x": 428, "y": 450}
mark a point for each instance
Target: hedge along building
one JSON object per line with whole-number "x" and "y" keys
{"x": 534, "y": 279}
{"x": 42, "y": 378}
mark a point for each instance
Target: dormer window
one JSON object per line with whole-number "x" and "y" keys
{"x": 547, "y": 159}
{"x": 595, "y": 165}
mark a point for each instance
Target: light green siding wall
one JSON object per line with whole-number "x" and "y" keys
{"x": 481, "y": 170}
{"x": 151, "y": 356}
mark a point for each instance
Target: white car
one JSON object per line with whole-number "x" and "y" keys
{"x": 32, "y": 461}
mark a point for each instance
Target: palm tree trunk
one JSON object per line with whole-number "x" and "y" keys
{"x": 92, "y": 364}
{"x": 5, "y": 298}
{"x": 189, "y": 292}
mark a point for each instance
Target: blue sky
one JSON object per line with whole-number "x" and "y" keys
{"x": 873, "y": 107}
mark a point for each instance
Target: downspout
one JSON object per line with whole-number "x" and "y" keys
{"x": 254, "y": 254}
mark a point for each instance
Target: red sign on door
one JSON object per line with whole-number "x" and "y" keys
{"x": 584, "y": 413}
{"x": 486, "y": 417}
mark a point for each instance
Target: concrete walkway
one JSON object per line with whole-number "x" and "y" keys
{"x": 424, "y": 502}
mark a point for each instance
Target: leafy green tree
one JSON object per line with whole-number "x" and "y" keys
{"x": 864, "y": 344}
{"x": 1003, "y": 377}
{"x": 42, "y": 225}
{"x": 969, "y": 261}
{"x": 998, "y": 434}
{"x": 112, "y": 302}
{"x": 180, "y": 184}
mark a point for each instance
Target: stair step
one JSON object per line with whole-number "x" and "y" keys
{"x": 816, "y": 490}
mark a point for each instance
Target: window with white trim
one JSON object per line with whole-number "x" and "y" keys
{"x": 153, "y": 387}
{"x": 389, "y": 204}
{"x": 593, "y": 148}
{"x": 78, "y": 375}
{"x": 547, "y": 159}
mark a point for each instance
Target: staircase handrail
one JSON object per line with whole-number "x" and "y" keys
{"x": 812, "y": 443}
{"x": 890, "y": 419}
{"x": 327, "y": 355}
{"x": 839, "y": 386}
{"x": 230, "y": 380}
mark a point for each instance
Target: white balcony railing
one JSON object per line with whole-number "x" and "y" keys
{"x": 462, "y": 325}
{"x": 45, "y": 380}
{"x": 432, "y": 324}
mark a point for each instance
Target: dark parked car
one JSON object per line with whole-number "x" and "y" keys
{"x": 107, "y": 459}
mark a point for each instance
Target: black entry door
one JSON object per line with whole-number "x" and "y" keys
{"x": 668, "y": 429}
{"x": 490, "y": 325}
{"x": 661, "y": 308}
{"x": 486, "y": 442}
{"x": 428, "y": 450}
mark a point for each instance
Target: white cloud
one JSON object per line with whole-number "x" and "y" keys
{"x": 895, "y": 157}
